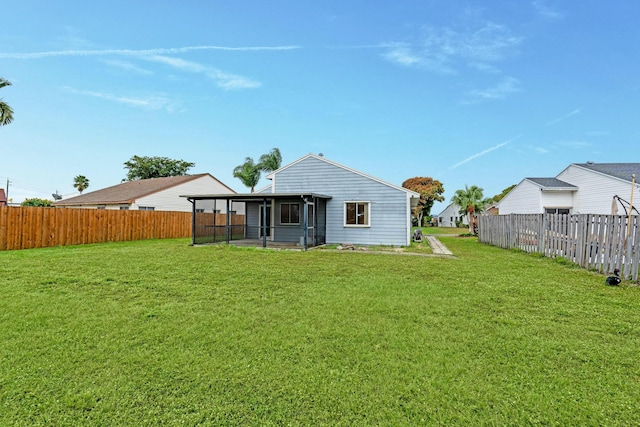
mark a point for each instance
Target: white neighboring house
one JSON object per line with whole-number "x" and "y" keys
{"x": 159, "y": 194}
{"x": 581, "y": 188}
{"x": 451, "y": 214}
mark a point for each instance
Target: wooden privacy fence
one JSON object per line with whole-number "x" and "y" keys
{"x": 597, "y": 242}
{"x": 38, "y": 227}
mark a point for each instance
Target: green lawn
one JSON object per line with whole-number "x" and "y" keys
{"x": 158, "y": 333}
{"x": 445, "y": 230}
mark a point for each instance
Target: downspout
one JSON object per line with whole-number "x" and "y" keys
{"x": 193, "y": 221}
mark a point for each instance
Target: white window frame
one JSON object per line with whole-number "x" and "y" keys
{"x": 556, "y": 209}
{"x": 368, "y": 213}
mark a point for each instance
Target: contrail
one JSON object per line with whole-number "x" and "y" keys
{"x": 482, "y": 153}
{"x": 143, "y": 52}
{"x": 573, "y": 113}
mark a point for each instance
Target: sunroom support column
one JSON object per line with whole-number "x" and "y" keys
{"x": 193, "y": 222}
{"x": 305, "y": 222}
{"x": 264, "y": 223}
{"x": 227, "y": 227}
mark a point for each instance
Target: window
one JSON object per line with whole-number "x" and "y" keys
{"x": 198, "y": 210}
{"x": 124, "y": 207}
{"x": 147, "y": 208}
{"x": 101, "y": 207}
{"x": 356, "y": 214}
{"x": 289, "y": 213}
{"x": 559, "y": 211}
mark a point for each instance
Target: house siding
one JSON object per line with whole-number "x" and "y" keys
{"x": 252, "y": 220}
{"x": 593, "y": 194}
{"x": 388, "y": 206}
{"x": 451, "y": 211}
{"x": 556, "y": 199}
{"x": 525, "y": 198}
{"x": 596, "y": 190}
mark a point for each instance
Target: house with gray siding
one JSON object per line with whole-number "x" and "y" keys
{"x": 314, "y": 201}
{"x": 581, "y": 188}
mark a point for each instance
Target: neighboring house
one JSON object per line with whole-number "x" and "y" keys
{"x": 581, "y": 188}
{"x": 160, "y": 194}
{"x": 332, "y": 202}
{"x": 3, "y": 197}
{"x": 450, "y": 215}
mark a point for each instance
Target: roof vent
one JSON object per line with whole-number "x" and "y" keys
{"x": 589, "y": 162}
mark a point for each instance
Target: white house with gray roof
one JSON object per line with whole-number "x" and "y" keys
{"x": 451, "y": 215}
{"x": 581, "y": 188}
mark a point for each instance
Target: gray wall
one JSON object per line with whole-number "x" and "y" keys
{"x": 388, "y": 205}
{"x": 284, "y": 232}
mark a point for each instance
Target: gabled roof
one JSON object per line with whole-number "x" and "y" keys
{"x": 321, "y": 158}
{"x": 445, "y": 209}
{"x": 552, "y": 184}
{"x": 128, "y": 192}
{"x": 617, "y": 170}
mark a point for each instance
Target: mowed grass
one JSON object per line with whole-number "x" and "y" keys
{"x": 158, "y": 333}
{"x": 445, "y": 230}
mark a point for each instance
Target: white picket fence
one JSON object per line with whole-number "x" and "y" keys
{"x": 597, "y": 242}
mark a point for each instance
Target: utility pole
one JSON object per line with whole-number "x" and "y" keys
{"x": 7, "y": 191}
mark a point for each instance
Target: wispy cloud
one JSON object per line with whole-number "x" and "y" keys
{"x": 566, "y": 116}
{"x": 504, "y": 88}
{"x": 223, "y": 79}
{"x": 576, "y": 145}
{"x": 597, "y": 133}
{"x": 545, "y": 10}
{"x": 402, "y": 56}
{"x": 141, "y": 52}
{"x": 540, "y": 150}
{"x": 446, "y": 49}
{"x": 148, "y": 102}
{"x": 125, "y": 65}
{"x": 482, "y": 153}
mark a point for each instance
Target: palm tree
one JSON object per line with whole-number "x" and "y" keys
{"x": 470, "y": 201}
{"x": 6, "y": 113}
{"x": 248, "y": 173}
{"x": 270, "y": 161}
{"x": 81, "y": 183}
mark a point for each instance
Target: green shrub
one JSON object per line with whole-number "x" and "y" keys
{"x": 36, "y": 202}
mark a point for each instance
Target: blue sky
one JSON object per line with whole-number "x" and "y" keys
{"x": 476, "y": 93}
